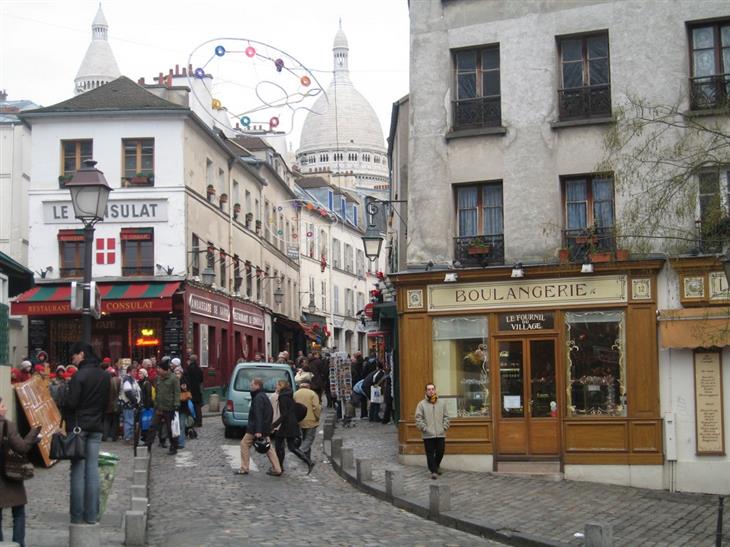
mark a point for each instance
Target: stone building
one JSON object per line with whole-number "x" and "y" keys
{"x": 556, "y": 349}
{"x": 99, "y": 65}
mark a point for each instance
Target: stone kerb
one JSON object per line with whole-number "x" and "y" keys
{"x": 439, "y": 499}
{"x": 135, "y": 520}
{"x": 347, "y": 456}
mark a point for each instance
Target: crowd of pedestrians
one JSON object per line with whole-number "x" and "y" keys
{"x": 103, "y": 401}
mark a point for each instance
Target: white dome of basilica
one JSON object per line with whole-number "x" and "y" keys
{"x": 342, "y": 133}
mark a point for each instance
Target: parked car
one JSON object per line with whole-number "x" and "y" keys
{"x": 238, "y": 396}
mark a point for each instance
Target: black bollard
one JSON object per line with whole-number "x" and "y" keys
{"x": 718, "y": 533}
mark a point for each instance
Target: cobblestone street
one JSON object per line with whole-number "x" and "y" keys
{"x": 547, "y": 509}
{"x": 196, "y": 500}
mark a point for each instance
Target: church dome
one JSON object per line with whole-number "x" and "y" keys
{"x": 99, "y": 65}
{"x": 344, "y": 119}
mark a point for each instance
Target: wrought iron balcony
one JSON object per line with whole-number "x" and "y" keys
{"x": 583, "y": 242}
{"x": 480, "y": 250}
{"x": 712, "y": 236}
{"x": 579, "y": 103}
{"x": 477, "y": 112}
{"x": 709, "y": 92}
{"x": 137, "y": 270}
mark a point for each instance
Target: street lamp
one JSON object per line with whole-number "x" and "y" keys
{"x": 372, "y": 240}
{"x": 278, "y": 294}
{"x": 208, "y": 276}
{"x": 89, "y": 194}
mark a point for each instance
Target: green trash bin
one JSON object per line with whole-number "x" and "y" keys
{"x": 107, "y": 471}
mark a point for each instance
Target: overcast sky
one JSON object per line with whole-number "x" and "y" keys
{"x": 42, "y": 42}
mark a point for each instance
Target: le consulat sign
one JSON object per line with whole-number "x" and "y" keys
{"x": 609, "y": 289}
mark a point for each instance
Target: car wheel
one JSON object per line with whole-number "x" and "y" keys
{"x": 230, "y": 432}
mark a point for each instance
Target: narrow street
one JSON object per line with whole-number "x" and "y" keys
{"x": 197, "y": 500}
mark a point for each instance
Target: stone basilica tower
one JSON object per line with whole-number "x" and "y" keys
{"x": 99, "y": 66}
{"x": 342, "y": 135}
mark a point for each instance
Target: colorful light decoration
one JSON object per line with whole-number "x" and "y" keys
{"x": 281, "y": 84}
{"x": 309, "y": 206}
{"x": 216, "y": 104}
{"x": 310, "y": 234}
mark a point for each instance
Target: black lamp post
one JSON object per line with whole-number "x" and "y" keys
{"x": 372, "y": 240}
{"x": 89, "y": 194}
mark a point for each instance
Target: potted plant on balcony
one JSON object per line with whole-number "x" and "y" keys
{"x": 222, "y": 201}
{"x": 249, "y": 219}
{"x": 478, "y": 246}
{"x": 210, "y": 192}
{"x": 564, "y": 255}
{"x": 63, "y": 179}
{"x": 236, "y": 210}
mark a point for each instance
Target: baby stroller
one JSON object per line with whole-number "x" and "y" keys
{"x": 190, "y": 421}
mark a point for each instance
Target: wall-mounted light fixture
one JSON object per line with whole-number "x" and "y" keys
{"x": 518, "y": 271}
{"x": 451, "y": 277}
{"x": 587, "y": 267}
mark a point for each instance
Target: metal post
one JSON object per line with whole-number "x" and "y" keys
{"x": 86, "y": 312}
{"x": 718, "y": 533}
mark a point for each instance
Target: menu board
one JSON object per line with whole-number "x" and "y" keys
{"x": 172, "y": 337}
{"x": 35, "y": 399}
{"x": 708, "y": 403}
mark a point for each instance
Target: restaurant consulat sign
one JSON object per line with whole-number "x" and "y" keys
{"x": 607, "y": 289}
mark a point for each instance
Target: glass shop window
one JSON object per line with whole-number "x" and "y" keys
{"x": 596, "y": 364}
{"x": 461, "y": 364}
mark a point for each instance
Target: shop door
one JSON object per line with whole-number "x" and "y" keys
{"x": 527, "y": 424}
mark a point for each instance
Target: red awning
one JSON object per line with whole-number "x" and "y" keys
{"x": 115, "y": 298}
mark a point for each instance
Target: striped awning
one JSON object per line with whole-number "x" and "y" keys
{"x": 115, "y": 298}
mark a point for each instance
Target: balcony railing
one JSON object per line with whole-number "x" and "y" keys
{"x": 710, "y": 92}
{"x": 584, "y": 102}
{"x": 712, "y": 237}
{"x": 71, "y": 272}
{"x": 477, "y": 112}
{"x": 582, "y": 242}
{"x": 138, "y": 270}
{"x": 483, "y": 250}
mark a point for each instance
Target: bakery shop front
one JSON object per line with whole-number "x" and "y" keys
{"x": 555, "y": 371}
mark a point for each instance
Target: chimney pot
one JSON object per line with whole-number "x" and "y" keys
{"x": 170, "y": 73}
{"x": 177, "y": 70}
{"x": 159, "y": 79}
{"x": 185, "y": 71}
{"x": 190, "y": 69}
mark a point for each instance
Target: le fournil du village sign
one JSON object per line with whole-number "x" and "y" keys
{"x": 607, "y": 289}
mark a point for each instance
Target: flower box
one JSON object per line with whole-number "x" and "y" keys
{"x": 564, "y": 256}
{"x": 478, "y": 250}
{"x": 622, "y": 254}
{"x": 601, "y": 256}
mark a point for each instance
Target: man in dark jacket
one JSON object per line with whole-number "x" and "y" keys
{"x": 260, "y": 416}
{"x": 86, "y": 402}
{"x": 375, "y": 378}
{"x": 195, "y": 385}
{"x": 166, "y": 403}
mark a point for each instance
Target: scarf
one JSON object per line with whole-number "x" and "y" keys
{"x": 433, "y": 399}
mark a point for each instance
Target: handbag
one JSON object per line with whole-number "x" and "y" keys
{"x": 145, "y": 418}
{"x": 14, "y": 466}
{"x": 376, "y": 394}
{"x": 68, "y": 447}
{"x": 175, "y": 425}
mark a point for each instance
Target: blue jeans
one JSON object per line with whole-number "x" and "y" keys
{"x": 128, "y": 417}
{"x": 18, "y": 525}
{"x": 85, "y": 482}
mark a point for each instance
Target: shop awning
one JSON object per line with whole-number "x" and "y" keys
{"x": 115, "y": 298}
{"x": 695, "y": 328}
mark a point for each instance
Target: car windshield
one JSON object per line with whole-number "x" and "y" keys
{"x": 268, "y": 376}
